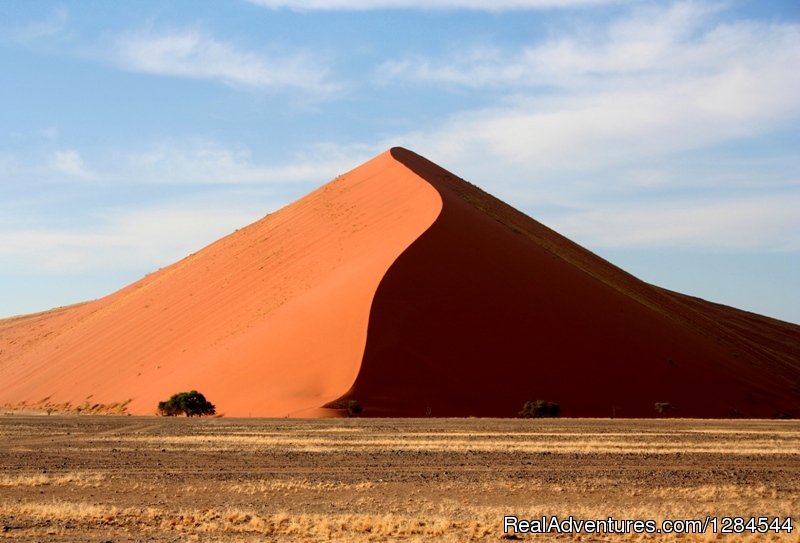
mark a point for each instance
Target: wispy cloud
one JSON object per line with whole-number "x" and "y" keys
{"x": 55, "y": 25}
{"x": 125, "y": 238}
{"x": 192, "y": 162}
{"x": 201, "y": 162}
{"x": 193, "y": 54}
{"x": 476, "y": 5}
{"x": 663, "y": 80}
{"x": 70, "y": 163}
{"x": 662, "y": 41}
{"x": 768, "y": 223}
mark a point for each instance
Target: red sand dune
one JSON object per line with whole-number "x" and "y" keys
{"x": 414, "y": 292}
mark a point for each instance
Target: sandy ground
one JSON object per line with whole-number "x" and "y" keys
{"x": 92, "y": 478}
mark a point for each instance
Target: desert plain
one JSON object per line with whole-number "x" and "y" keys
{"x": 124, "y": 479}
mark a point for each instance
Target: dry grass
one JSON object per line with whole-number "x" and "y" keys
{"x": 752, "y": 443}
{"x": 78, "y": 479}
{"x": 374, "y": 481}
{"x": 273, "y": 486}
{"x": 442, "y": 522}
{"x": 247, "y": 522}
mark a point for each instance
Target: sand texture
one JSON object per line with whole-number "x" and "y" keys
{"x": 415, "y": 293}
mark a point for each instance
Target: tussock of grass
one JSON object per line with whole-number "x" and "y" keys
{"x": 264, "y": 486}
{"x": 56, "y": 479}
{"x": 277, "y": 486}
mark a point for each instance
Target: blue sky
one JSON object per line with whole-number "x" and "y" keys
{"x": 662, "y": 135}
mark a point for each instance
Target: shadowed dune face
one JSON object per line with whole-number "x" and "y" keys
{"x": 410, "y": 290}
{"x": 489, "y": 309}
{"x": 268, "y": 321}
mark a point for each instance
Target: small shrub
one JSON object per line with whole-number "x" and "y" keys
{"x": 353, "y": 407}
{"x": 540, "y": 408}
{"x": 663, "y": 407}
{"x": 192, "y": 404}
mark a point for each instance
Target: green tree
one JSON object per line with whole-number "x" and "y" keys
{"x": 192, "y": 404}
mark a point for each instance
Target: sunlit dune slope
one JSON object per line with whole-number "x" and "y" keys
{"x": 270, "y": 320}
{"x": 489, "y": 308}
{"x": 415, "y": 293}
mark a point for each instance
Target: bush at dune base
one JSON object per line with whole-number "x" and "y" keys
{"x": 540, "y": 408}
{"x": 352, "y": 407}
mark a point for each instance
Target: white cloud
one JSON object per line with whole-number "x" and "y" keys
{"x": 50, "y": 133}
{"x": 192, "y": 54}
{"x": 8, "y": 164}
{"x": 70, "y": 163}
{"x": 755, "y": 223}
{"x": 41, "y": 166}
{"x": 54, "y": 26}
{"x": 186, "y": 162}
{"x": 476, "y": 5}
{"x": 660, "y": 81}
{"x": 209, "y": 162}
{"x": 124, "y": 238}
{"x": 666, "y": 42}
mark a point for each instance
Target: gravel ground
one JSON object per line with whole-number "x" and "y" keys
{"x": 85, "y": 478}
